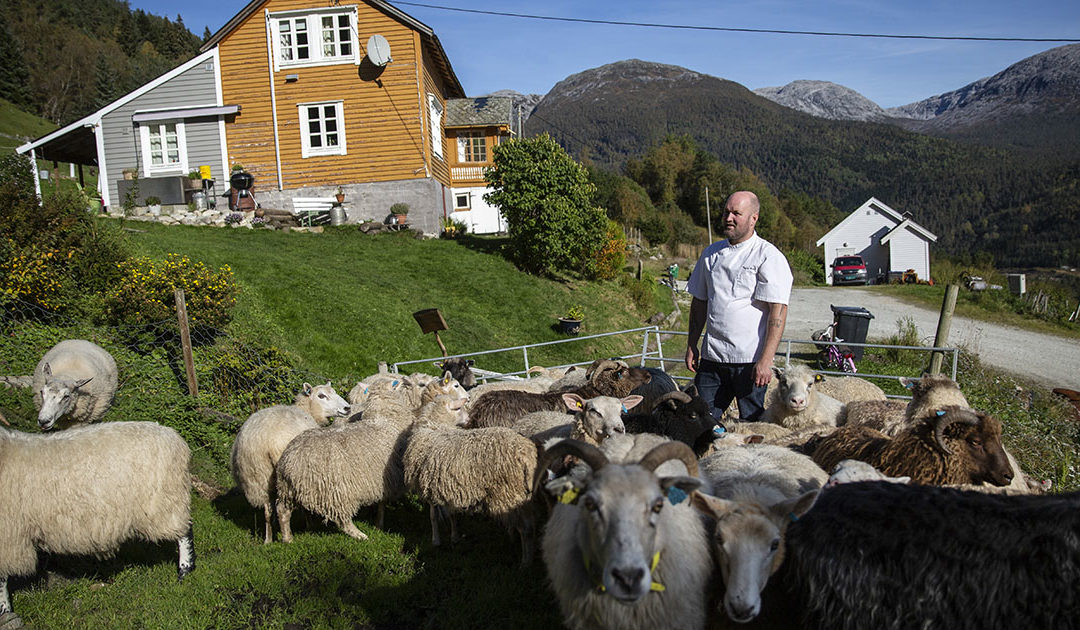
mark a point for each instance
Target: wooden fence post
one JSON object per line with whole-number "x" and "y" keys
{"x": 948, "y": 305}
{"x": 185, "y": 342}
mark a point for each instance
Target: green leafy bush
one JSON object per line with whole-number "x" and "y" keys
{"x": 546, "y": 198}
{"x": 144, "y": 295}
{"x": 608, "y": 261}
{"x": 805, "y": 267}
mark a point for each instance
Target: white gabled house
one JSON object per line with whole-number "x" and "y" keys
{"x": 886, "y": 239}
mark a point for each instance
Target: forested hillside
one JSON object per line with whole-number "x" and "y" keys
{"x": 974, "y": 198}
{"x": 62, "y": 59}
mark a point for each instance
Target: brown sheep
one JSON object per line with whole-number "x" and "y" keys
{"x": 501, "y": 408}
{"x": 952, "y": 446}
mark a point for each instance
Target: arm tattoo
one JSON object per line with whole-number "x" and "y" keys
{"x": 776, "y": 322}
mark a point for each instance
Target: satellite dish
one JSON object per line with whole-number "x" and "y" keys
{"x": 378, "y": 50}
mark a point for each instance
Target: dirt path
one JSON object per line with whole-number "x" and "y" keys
{"x": 1048, "y": 359}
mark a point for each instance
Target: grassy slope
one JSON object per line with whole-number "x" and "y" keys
{"x": 17, "y": 126}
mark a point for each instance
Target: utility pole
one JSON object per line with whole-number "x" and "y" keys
{"x": 708, "y": 214}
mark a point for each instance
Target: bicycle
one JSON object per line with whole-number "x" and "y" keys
{"x": 833, "y": 356}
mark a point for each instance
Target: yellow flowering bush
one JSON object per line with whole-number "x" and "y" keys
{"x": 32, "y": 274}
{"x": 609, "y": 259}
{"x": 144, "y": 293}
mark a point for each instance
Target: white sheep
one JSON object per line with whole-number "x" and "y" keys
{"x": 88, "y": 490}
{"x": 591, "y": 421}
{"x": 753, "y": 492}
{"x": 487, "y": 471}
{"x": 796, "y": 404}
{"x": 849, "y": 388}
{"x": 74, "y": 383}
{"x": 265, "y": 434}
{"x": 853, "y": 470}
{"x": 622, "y": 548}
{"x": 336, "y": 471}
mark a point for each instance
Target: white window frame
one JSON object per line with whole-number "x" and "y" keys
{"x": 313, "y": 22}
{"x": 465, "y": 144}
{"x": 468, "y": 201}
{"x": 306, "y": 150}
{"x": 435, "y": 116}
{"x": 181, "y": 141}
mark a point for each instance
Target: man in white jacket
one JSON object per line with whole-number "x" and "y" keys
{"x": 741, "y": 287}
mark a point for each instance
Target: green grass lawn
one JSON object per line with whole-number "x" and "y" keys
{"x": 337, "y": 303}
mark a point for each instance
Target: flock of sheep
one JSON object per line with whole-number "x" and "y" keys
{"x": 648, "y": 514}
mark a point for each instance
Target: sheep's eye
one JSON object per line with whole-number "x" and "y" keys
{"x": 590, "y": 504}
{"x": 975, "y": 442}
{"x": 774, "y": 546}
{"x": 659, "y": 505}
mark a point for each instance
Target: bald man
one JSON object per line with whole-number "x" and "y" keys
{"x": 741, "y": 287}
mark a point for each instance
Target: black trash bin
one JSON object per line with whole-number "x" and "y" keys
{"x": 852, "y": 324}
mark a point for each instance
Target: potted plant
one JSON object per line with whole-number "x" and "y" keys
{"x": 194, "y": 180}
{"x": 130, "y": 173}
{"x": 153, "y": 205}
{"x": 400, "y": 210}
{"x": 570, "y": 322}
{"x": 340, "y": 195}
{"x": 237, "y": 168}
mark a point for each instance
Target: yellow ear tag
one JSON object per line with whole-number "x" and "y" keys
{"x": 656, "y": 586}
{"x": 569, "y": 496}
{"x": 579, "y": 405}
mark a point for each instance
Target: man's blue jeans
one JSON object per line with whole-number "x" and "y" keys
{"x": 718, "y": 383}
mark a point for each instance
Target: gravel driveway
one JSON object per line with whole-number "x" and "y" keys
{"x": 1047, "y": 359}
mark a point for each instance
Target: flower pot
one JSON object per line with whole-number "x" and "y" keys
{"x": 569, "y": 326}
{"x": 401, "y": 218}
{"x": 340, "y": 198}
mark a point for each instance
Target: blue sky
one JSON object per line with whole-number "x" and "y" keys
{"x": 491, "y": 53}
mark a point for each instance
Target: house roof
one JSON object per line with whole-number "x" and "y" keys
{"x": 454, "y": 88}
{"x": 76, "y": 142}
{"x": 903, "y": 221}
{"x": 485, "y": 111}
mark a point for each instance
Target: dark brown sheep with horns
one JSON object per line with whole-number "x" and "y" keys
{"x": 955, "y": 445}
{"x": 501, "y": 408}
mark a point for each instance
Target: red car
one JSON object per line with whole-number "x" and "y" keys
{"x": 849, "y": 270}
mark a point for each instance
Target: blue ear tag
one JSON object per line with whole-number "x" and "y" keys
{"x": 394, "y": 384}
{"x": 719, "y": 430}
{"x": 676, "y": 495}
{"x": 625, "y": 410}
{"x": 940, "y": 412}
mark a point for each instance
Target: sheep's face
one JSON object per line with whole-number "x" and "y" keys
{"x": 460, "y": 369}
{"x": 748, "y": 544}
{"x": 600, "y": 417}
{"x": 621, "y": 509}
{"x": 982, "y": 445}
{"x": 58, "y": 398}
{"x": 795, "y": 386}
{"x": 325, "y": 402}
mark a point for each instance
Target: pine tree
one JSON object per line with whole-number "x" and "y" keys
{"x": 14, "y": 72}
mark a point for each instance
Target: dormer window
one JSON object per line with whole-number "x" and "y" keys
{"x": 314, "y": 38}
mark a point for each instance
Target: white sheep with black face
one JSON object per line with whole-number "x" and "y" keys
{"x": 74, "y": 383}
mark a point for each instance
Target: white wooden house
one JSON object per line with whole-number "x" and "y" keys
{"x": 886, "y": 239}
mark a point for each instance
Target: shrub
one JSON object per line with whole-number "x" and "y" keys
{"x": 641, "y": 292}
{"x": 608, "y": 261}
{"x": 144, "y": 294}
{"x": 805, "y": 267}
{"x": 31, "y": 274}
{"x": 655, "y": 229}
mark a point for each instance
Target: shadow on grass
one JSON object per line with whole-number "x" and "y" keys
{"x": 494, "y": 245}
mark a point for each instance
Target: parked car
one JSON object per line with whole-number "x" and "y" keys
{"x": 849, "y": 270}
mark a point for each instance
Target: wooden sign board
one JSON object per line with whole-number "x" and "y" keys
{"x": 430, "y": 320}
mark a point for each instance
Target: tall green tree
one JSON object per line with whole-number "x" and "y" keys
{"x": 547, "y": 199}
{"x": 14, "y": 73}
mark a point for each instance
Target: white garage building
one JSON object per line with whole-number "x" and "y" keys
{"x": 886, "y": 239}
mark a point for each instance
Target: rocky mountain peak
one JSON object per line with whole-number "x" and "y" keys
{"x": 824, "y": 100}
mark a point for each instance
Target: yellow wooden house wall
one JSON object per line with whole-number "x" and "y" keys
{"x": 385, "y": 125}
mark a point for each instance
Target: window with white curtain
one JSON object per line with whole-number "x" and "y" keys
{"x": 322, "y": 129}
{"x": 164, "y": 147}
{"x": 471, "y": 146}
{"x": 314, "y": 38}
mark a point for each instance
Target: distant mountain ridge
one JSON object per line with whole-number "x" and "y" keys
{"x": 974, "y": 197}
{"x": 825, "y": 100}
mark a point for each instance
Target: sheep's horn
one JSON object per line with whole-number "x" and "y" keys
{"x": 587, "y": 453}
{"x": 952, "y": 415}
{"x": 682, "y": 397}
{"x": 670, "y": 450}
{"x": 598, "y": 366}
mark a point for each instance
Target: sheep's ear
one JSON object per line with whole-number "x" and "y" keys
{"x": 470, "y": 363}
{"x": 564, "y": 489}
{"x": 79, "y": 384}
{"x": 691, "y": 390}
{"x": 447, "y": 377}
{"x": 306, "y": 389}
{"x": 754, "y": 438}
{"x": 908, "y": 382}
{"x": 47, "y": 370}
{"x": 818, "y": 378}
{"x": 678, "y": 488}
{"x": 573, "y": 402}
{"x": 630, "y": 402}
{"x": 711, "y": 506}
{"x": 793, "y": 509}
{"x": 439, "y": 364}
{"x": 778, "y": 371}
